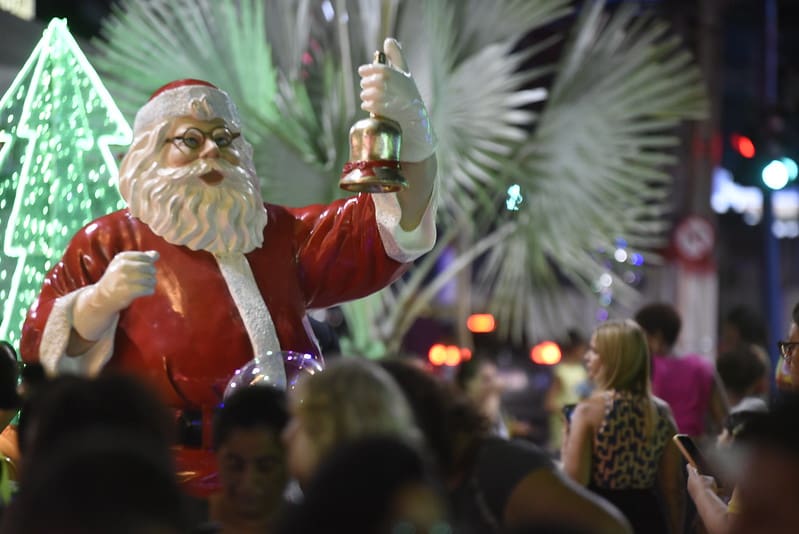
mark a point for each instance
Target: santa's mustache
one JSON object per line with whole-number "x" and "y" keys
{"x": 184, "y": 182}
{"x": 200, "y": 167}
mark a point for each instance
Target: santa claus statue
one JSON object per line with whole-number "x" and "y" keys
{"x": 197, "y": 275}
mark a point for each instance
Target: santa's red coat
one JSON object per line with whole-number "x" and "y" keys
{"x": 188, "y": 338}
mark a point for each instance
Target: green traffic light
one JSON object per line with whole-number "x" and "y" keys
{"x": 779, "y": 172}
{"x": 792, "y": 167}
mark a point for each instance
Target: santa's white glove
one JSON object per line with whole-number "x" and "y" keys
{"x": 130, "y": 275}
{"x": 389, "y": 91}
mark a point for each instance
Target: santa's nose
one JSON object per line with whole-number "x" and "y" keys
{"x": 209, "y": 149}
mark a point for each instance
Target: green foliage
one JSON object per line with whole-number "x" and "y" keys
{"x": 596, "y": 167}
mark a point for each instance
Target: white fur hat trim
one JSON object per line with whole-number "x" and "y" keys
{"x": 193, "y": 99}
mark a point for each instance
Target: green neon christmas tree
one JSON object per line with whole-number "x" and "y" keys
{"x": 57, "y": 170}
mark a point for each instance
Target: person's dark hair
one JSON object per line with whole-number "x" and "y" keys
{"x": 469, "y": 369}
{"x": 69, "y": 405}
{"x": 662, "y": 318}
{"x": 775, "y": 429}
{"x": 445, "y": 416}
{"x": 354, "y": 487}
{"x": 250, "y": 407}
{"x": 9, "y": 376}
{"x": 99, "y": 481}
{"x": 749, "y": 325}
{"x": 33, "y": 375}
{"x": 795, "y": 313}
{"x": 740, "y": 369}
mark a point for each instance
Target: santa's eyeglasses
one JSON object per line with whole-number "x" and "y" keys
{"x": 194, "y": 138}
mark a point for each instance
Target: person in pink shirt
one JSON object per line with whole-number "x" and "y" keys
{"x": 688, "y": 383}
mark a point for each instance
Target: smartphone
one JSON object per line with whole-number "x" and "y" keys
{"x": 568, "y": 410}
{"x": 692, "y": 454}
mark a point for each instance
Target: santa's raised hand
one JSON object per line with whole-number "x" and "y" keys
{"x": 390, "y": 91}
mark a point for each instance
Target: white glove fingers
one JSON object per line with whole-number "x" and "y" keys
{"x": 372, "y": 69}
{"x": 373, "y": 94}
{"x": 136, "y": 274}
{"x": 126, "y": 271}
{"x": 143, "y": 266}
{"x": 137, "y": 255}
{"x": 121, "y": 285}
{"x": 377, "y": 83}
{"x": 142, "y": 287}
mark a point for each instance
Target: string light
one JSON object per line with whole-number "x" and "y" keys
{"x": 620, "y": 263}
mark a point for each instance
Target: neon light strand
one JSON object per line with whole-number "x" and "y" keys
{"x": 57, "y": 171}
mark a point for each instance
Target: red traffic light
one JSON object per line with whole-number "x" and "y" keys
{"x": 743, "y": 145}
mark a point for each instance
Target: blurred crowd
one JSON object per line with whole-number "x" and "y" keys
{"x": 393, "y": 446}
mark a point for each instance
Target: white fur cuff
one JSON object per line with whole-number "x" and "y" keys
{"x": 405, "y": 246}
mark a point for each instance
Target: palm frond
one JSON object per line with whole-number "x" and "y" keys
{"x": 288, "y": 26}
{"x": 595, "y": 169}
{"x": 472, "y": 78}
{"x": 147, "y": 44}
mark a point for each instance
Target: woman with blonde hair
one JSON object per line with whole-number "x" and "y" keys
{"x": 351, "y": 398}
{"x": 619, "y": 440}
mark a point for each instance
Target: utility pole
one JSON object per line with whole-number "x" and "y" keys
{"x": 773, "y": 281}
{"x": 696, "y": 289}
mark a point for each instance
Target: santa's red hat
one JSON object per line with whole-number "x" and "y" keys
{"x": 188, "y": 97}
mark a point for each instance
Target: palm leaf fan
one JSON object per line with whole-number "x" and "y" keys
{"x": 595, "y": 170}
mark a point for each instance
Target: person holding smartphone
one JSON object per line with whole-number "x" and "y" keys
{"x": 619, "y": 441}
{"x": 720, "y": 517}
{"x": 715, "y": 512}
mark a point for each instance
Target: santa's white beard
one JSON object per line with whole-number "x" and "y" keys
{"x": 176, "y": 204}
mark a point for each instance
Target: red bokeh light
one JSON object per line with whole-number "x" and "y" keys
{"x": 545, "y": 353}
{"x": 743, "y": 145}
{"x": 481, "y": 323}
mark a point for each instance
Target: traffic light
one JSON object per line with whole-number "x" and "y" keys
{"x": 740, "y": 150}
{"x": 743, "y": 145}
{"x": 778, "y": 173}
{"x": 767, "y": 158}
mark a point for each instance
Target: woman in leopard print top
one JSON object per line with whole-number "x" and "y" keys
{"x": 618, "y": 442}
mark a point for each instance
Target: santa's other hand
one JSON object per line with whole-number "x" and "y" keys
{"x": 390, "y": 91}
{"x": 130, "y": 275}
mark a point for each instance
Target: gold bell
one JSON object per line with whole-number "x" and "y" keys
{"x": 374, "y": 164}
